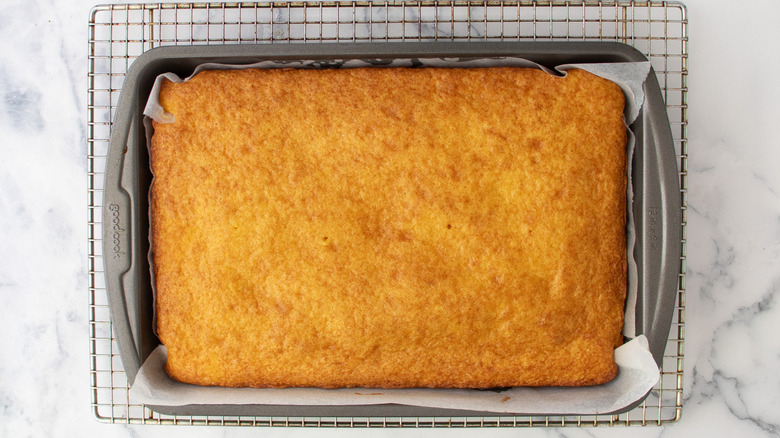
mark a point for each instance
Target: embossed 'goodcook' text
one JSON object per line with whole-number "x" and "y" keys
{"x": 653, "y": 228}
{"x": 118, "y": 231}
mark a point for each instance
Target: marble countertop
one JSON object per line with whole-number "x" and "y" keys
{"x": 732, "y": 354}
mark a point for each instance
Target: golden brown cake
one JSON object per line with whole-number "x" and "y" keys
{"x": 390, "y": 228}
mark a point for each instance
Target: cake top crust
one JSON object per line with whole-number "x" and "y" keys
{"x": 390, "y": 227}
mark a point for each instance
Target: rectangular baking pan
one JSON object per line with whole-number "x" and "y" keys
{"x": 656, "y": 197}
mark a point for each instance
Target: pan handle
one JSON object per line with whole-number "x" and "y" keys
{"x": 123, "y": 226}
{"x": 658, "y": 218}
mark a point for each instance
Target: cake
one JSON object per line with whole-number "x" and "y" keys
{"x": 390, "y": 228}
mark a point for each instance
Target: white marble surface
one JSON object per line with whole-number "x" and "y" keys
{"x": 732, "y": 354}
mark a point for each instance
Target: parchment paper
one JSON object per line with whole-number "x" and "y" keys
{"x": 637, "y": 371}
{"x": 637, "y": 374}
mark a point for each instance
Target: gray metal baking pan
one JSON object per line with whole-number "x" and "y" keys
{"x": 656, "y": 207}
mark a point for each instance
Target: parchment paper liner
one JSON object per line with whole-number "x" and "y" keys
{"x": 637, "y": 371}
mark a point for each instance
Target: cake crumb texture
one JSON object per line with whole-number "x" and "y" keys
{"x": 390, "y": 228}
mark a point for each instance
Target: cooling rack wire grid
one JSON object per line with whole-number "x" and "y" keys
{"x": 120, "y": 33}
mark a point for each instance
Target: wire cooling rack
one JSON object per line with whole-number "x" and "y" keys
{"x": 120, "y": 33}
